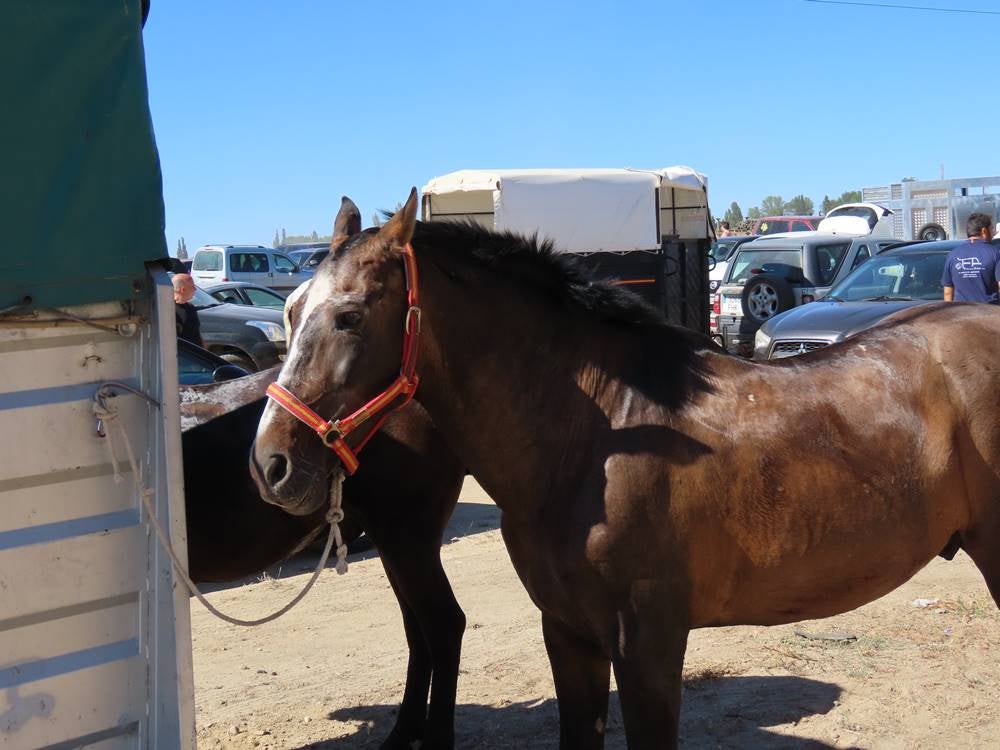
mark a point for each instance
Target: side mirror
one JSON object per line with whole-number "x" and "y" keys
{"x": 223, "y": 373}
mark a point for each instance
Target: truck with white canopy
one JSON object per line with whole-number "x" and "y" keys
{"x": 648, "y": 229}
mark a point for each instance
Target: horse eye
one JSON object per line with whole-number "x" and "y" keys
{"x": 349, "y": 320}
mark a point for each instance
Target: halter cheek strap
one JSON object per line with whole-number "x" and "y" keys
{"x": 333, "y": 433}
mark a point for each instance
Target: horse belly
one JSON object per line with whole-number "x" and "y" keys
{"x": 825, "y": 580}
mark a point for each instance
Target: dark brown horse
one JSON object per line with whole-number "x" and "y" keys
{"x": 650, "y": 484}
{"x": 402, "y": 497}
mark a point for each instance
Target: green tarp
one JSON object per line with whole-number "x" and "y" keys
{"x": 81, "y": 200}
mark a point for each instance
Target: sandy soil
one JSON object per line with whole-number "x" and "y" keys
{"x": 329, "y": 674}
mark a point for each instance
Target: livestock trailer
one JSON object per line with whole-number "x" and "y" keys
{"x": 647, "y": 229}
{"x": 936, "y": 209}
{"x": 95, "y": 645}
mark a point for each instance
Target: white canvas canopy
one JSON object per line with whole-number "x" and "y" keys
{"x": 580, "y": 210}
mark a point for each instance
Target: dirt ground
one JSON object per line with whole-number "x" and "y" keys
{"x": 329, "y": 673}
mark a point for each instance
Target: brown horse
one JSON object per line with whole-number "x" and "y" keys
{"x": 649, "y": 483}
{"x": 402, "y": 497}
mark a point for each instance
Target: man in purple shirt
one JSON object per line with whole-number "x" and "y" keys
{"x": 973, "y": 268}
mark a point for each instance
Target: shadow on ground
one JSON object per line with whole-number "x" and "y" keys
{"x": 726, "y": 712}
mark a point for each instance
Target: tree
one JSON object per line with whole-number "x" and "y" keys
{"x": 848, "y": 196}
{"x": 799, "y": 206}
{"x": 314, "y": 236}
{"x": 734, "y": 215}
{"x": 182, "y": 250}
{"x": 754, "y": 213}
{"x": 772, "y": 205}
{"x": 277, "y": 239}
{"x": 283, "y": 240}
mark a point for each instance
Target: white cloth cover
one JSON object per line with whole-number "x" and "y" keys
{"x": 580, "y": 213}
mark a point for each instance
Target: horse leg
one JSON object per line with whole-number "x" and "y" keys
{"x": 581, "y": 673}
{"x": 648, "y": 663}
{"x": 982, "y": 543}
{"x": 434, "y": 624}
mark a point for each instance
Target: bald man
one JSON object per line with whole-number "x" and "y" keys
{"x": 188, "y": 327}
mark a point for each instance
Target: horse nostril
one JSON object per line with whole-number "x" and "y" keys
{"x": 276, "y": 469}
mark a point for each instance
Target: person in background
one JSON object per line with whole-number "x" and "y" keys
{"x": 973, "y": 268}
{"x": 188, "y": 327}
{"x": 724, "y": 230}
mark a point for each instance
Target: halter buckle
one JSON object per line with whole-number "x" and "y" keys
{"x": 331, "y": 434}
{"x": 412, "y": 314}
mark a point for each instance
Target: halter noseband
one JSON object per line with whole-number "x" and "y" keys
{"x": 334, "y": 432}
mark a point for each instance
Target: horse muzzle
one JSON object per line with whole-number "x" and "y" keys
{"x": 280, "y": 482}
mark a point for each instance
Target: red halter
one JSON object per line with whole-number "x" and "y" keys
{"x": 334, "y": 432}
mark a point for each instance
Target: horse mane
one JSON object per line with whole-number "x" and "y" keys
{"x": 668, "y": 370}
{"x": 536, "y": 263}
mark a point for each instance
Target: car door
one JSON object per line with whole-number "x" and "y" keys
{"x": 249, "y": 266}
{"x": 284, "y": 274}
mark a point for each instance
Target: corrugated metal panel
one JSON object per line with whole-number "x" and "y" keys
{"x": 875, "y": 194}
{"x": 94, "y": 641}
{"x": 897, "y": 191}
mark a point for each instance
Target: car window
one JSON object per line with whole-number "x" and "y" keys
{"x": 264, "y": 298}
{"x": 248, "y": 263}
{"x": 863, "y": 212}
{"x": 828, "y": 260}
{"x": 283, "y": 264}
{"x": 188, "y": 363}
{"x": 747, "y": 261}
{"x": 908, "y": 276}
{"x": 800, "y": 226}
{"x": 228, "y": 295}
{"x": 316, "y": 258}
{"x": 773, "y": 226}
{"x": 863, "y": 254}
{"x": 207, "y": 260}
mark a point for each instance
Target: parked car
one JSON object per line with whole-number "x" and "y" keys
{"x": 197, "y": 366}
{"x": 256, "y": 264}
{"x": 777, "y": 224}
{"x": 251, "y": 337}
{"x": 897, "y": 279}
{"x": 722, "y": 250}
{"x": 243, "y": 293}
{"x": 772, "y": 274}
{"x": 309, "y": 259}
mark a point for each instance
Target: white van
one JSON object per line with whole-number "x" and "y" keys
{"x": 264, "y": 266}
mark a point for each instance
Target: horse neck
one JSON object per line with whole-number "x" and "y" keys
{"x": 512, "y": 381}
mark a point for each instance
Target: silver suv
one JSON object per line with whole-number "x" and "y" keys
{"x": 264, "y": 266}
{"x": 773, "y": 274}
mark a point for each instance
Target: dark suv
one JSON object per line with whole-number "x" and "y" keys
{"x": 772, "y": 274}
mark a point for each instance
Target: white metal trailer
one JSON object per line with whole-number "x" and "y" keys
{"x": 936, "y": 209}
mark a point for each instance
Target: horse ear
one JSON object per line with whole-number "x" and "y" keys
{"x": 347, "y": 223}
{"x": 399, "y": 229}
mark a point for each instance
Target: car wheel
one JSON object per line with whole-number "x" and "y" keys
{"x": 932, "y": 232}
{"x": 241, "y": 360}
{"x": 765, "y": 295}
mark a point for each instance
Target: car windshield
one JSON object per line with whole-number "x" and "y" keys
{"x": 862, "y": 212}
{"x": 748, "y": 261}
{"x": 203, "y": 299}
{"x": 907, "y": 276}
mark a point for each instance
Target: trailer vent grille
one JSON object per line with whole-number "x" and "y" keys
{"x": 941, "y": 215}
{"x": 919, "y": 217}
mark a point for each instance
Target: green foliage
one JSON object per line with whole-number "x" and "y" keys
{"x": 849, "y": 196}
{"x": 182, "y": 250}
{"x": 754, "y": 213}
{"x": 294, "y": 239}
{"x": 772, "y": 205}
{"x": 800, "y": 205}
{"x": 734, "y": 215}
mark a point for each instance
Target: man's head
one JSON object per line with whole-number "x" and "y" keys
{"x": 724, "y": 226}
{"x": 979, "y": 226}
{"x": 183, "y": 288}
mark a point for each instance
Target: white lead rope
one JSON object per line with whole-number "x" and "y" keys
{"x": 107, "y": 413}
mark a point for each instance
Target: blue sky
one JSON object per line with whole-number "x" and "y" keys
{"x": 266, "y": 113}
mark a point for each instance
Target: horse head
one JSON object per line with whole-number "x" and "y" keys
{"x": 345, "y": 338}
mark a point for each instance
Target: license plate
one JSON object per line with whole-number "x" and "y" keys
{"x": 732, "y": 306}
